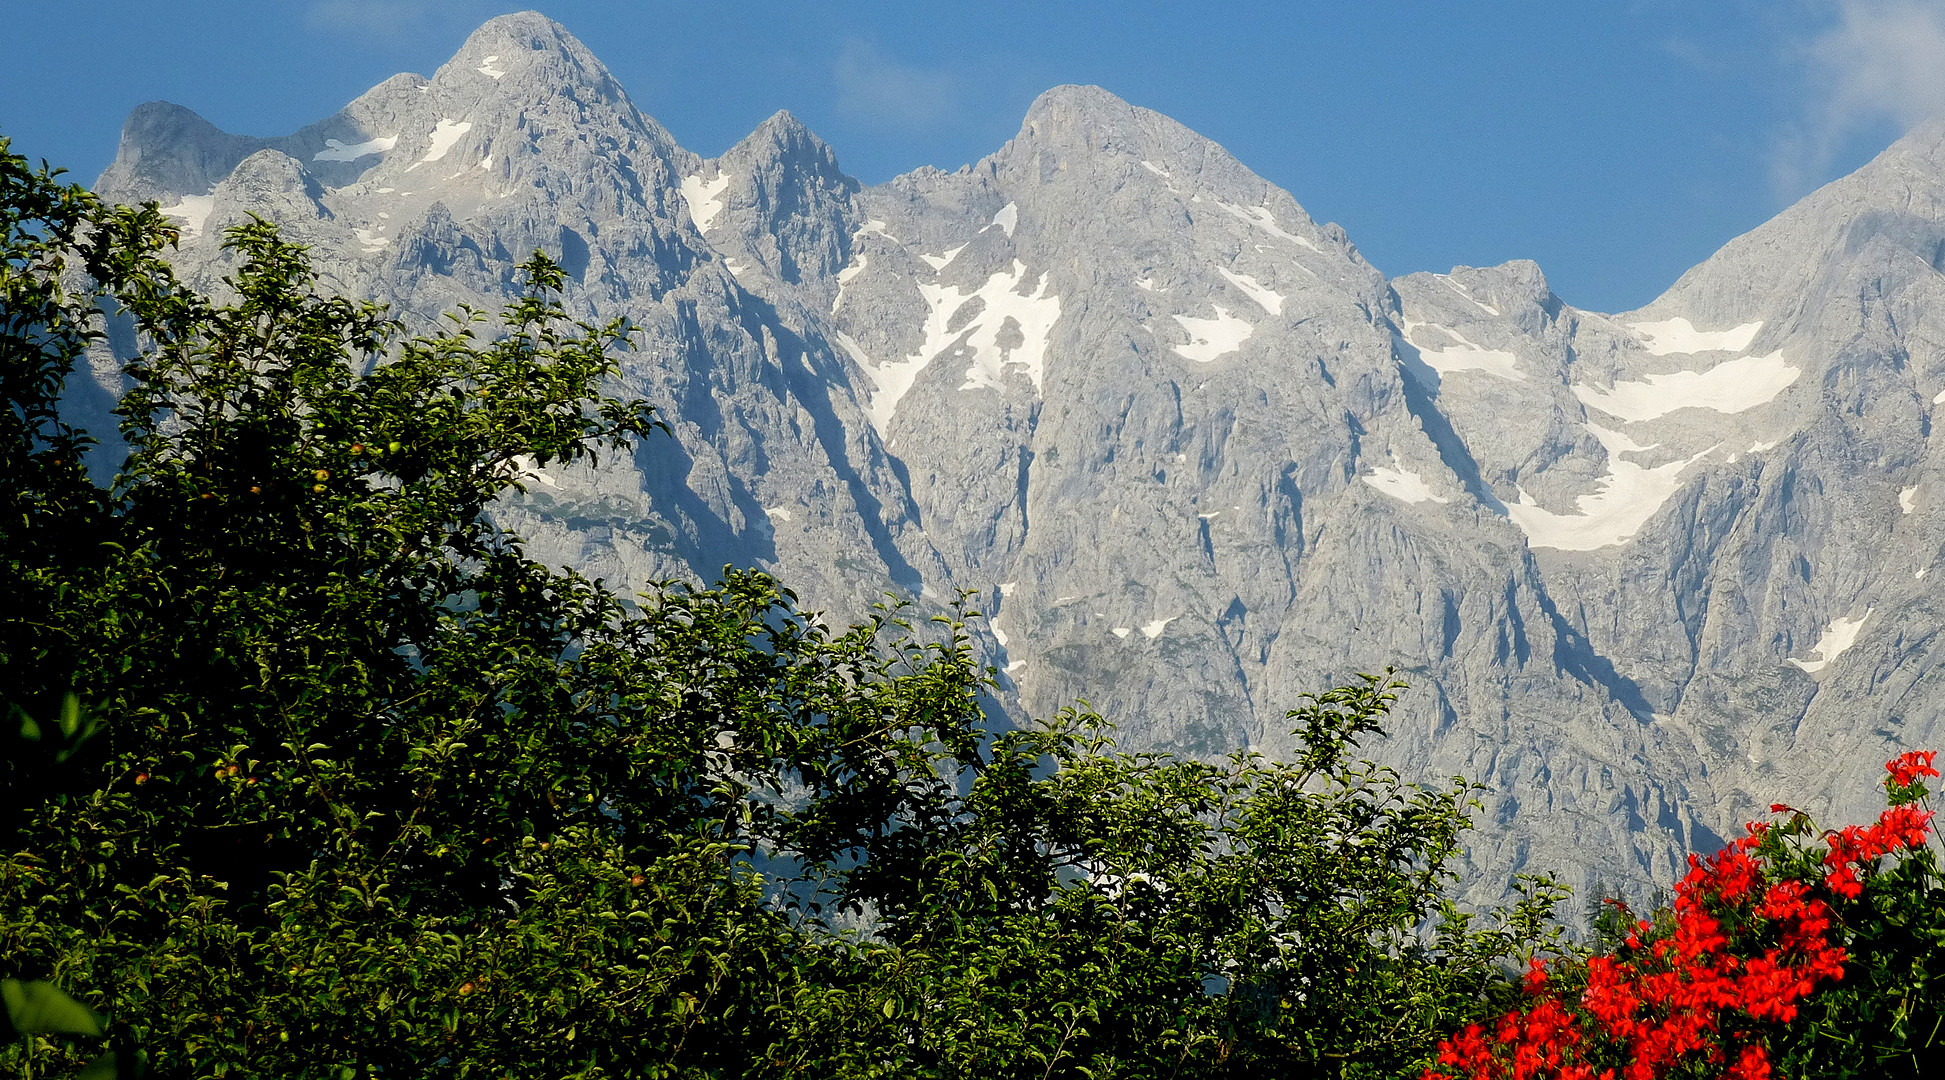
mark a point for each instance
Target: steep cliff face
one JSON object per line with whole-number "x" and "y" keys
{"x": 1191, "y": 453}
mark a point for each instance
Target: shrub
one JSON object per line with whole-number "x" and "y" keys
{"x": 1790, "y": 952}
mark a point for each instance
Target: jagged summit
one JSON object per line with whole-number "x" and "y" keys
{"x": 167, "y": 149}
{"x": 1191, "y": 452}
{"x": 531, "y": 49}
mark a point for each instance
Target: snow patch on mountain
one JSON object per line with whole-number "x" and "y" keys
{"x": 705, "y": 198}
{"x": 1836, "y": 639}
{"x": 846, "y": 276}
{"x": 1262, "y": 218}
{"x": 940, "y": 262}
{"x": 1211, "y": 339}
{"x": 1467, "y": 293}
{"x": 192, "y": 211}
{"x": 444, "y": 134}
{"x": 1732, "y": 386}
{"x": 1402, "y": 484}
{"x": 1678, "y": 335}
{"x": 337, "y": 151}
{"x": 1009, "y": 332}
{"x": 1465, "y": 355}
{"x": 1625, "y": 499}
{"x": 1266, "y": 298}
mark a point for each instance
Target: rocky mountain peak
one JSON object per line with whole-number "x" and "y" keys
{"x": 1194, "y": 455}
{"x": 168, "y": 150}
{"x": 528, "y": 40}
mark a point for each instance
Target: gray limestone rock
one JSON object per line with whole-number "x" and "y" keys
{"x": 1193, "y": 455}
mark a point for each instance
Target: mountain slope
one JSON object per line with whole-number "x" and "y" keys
{"x": 1191, "y": 453}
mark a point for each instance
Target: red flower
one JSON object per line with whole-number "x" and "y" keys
{"x": 1906, "y": 768}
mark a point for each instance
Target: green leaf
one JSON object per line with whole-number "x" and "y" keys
{"x": 113, "y": 1066}
{"x": 40, "y": 1008}
{"x": 29, "y": 730}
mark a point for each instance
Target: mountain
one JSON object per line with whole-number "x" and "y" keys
{"x": 1194, "y": 456}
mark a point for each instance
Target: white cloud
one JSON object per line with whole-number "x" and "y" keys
{"x": 875, "y": 88}
{"x": 1874, "y": 62}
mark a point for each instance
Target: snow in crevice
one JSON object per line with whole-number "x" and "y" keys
{"x": 1463, "y": 291}
{"x": 1007, "y": 219}
{"x": 1678, "y": 335}
{"x": 1624, "y": 500}
{"x": 845, "y": 276}
{"x": 1402, "y": 484}
{"x": 444, "y": 134}
{"x": 1122, "y": 631}
{"x": 1940, "y": 399}
{"x": 1266, "y": 298}
{"x": 856, "y": 353}
{"x": 1836, "y": 639}
{"x": 371, "y": 240}
{"x": 998, "y": 634}
{"x": 1009, "y": 333}
{"x": 337, "y": 151}
{"x": 1007, "y": 587}
{"x": 1147, "y": 285}
{"x": 1908, "y": 499}
{"x": 1015, "y": 667}
{"x": 736, "y": 269}
{"x": 1211, "y": 339}
{"x": 192, "y": 211}
{"x": 1262, "y": 218}
{"x": 487, "y": 69}
{"x": 873, "y": 226}
{"x": 940, "y": 262}
{"x": 705, "y": 198}
{"x": 1154, "y": 168}
{"x": 777, "y": 513}
{"x": 1732, "y": 386}
{"x": 1464, "y": 356}
{"x": 1153, "y": 630}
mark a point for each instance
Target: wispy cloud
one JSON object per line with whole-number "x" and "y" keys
{"x": 878, "y": 90}
{"x": 1874, "y": 62}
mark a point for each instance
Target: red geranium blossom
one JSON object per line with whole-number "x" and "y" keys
{"x": 1907, "y": 767}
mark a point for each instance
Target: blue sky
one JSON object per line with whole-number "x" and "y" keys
{"x": 1616, "y": 142}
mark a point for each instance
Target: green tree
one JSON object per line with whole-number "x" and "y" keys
{"x": 355, "y": 788}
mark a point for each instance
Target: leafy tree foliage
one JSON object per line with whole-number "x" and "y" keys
{"x": 312, "y": 772}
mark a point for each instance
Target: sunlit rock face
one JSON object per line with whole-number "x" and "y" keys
{"x": 1192, "y": 455}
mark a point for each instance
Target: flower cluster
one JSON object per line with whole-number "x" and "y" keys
{"x": 1858, "y": 847}
{"x": 1750, "y": 935}
{"x": 1906, "y": 768}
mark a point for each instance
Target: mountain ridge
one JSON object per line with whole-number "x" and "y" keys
{"x": 1189, "y": 451}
